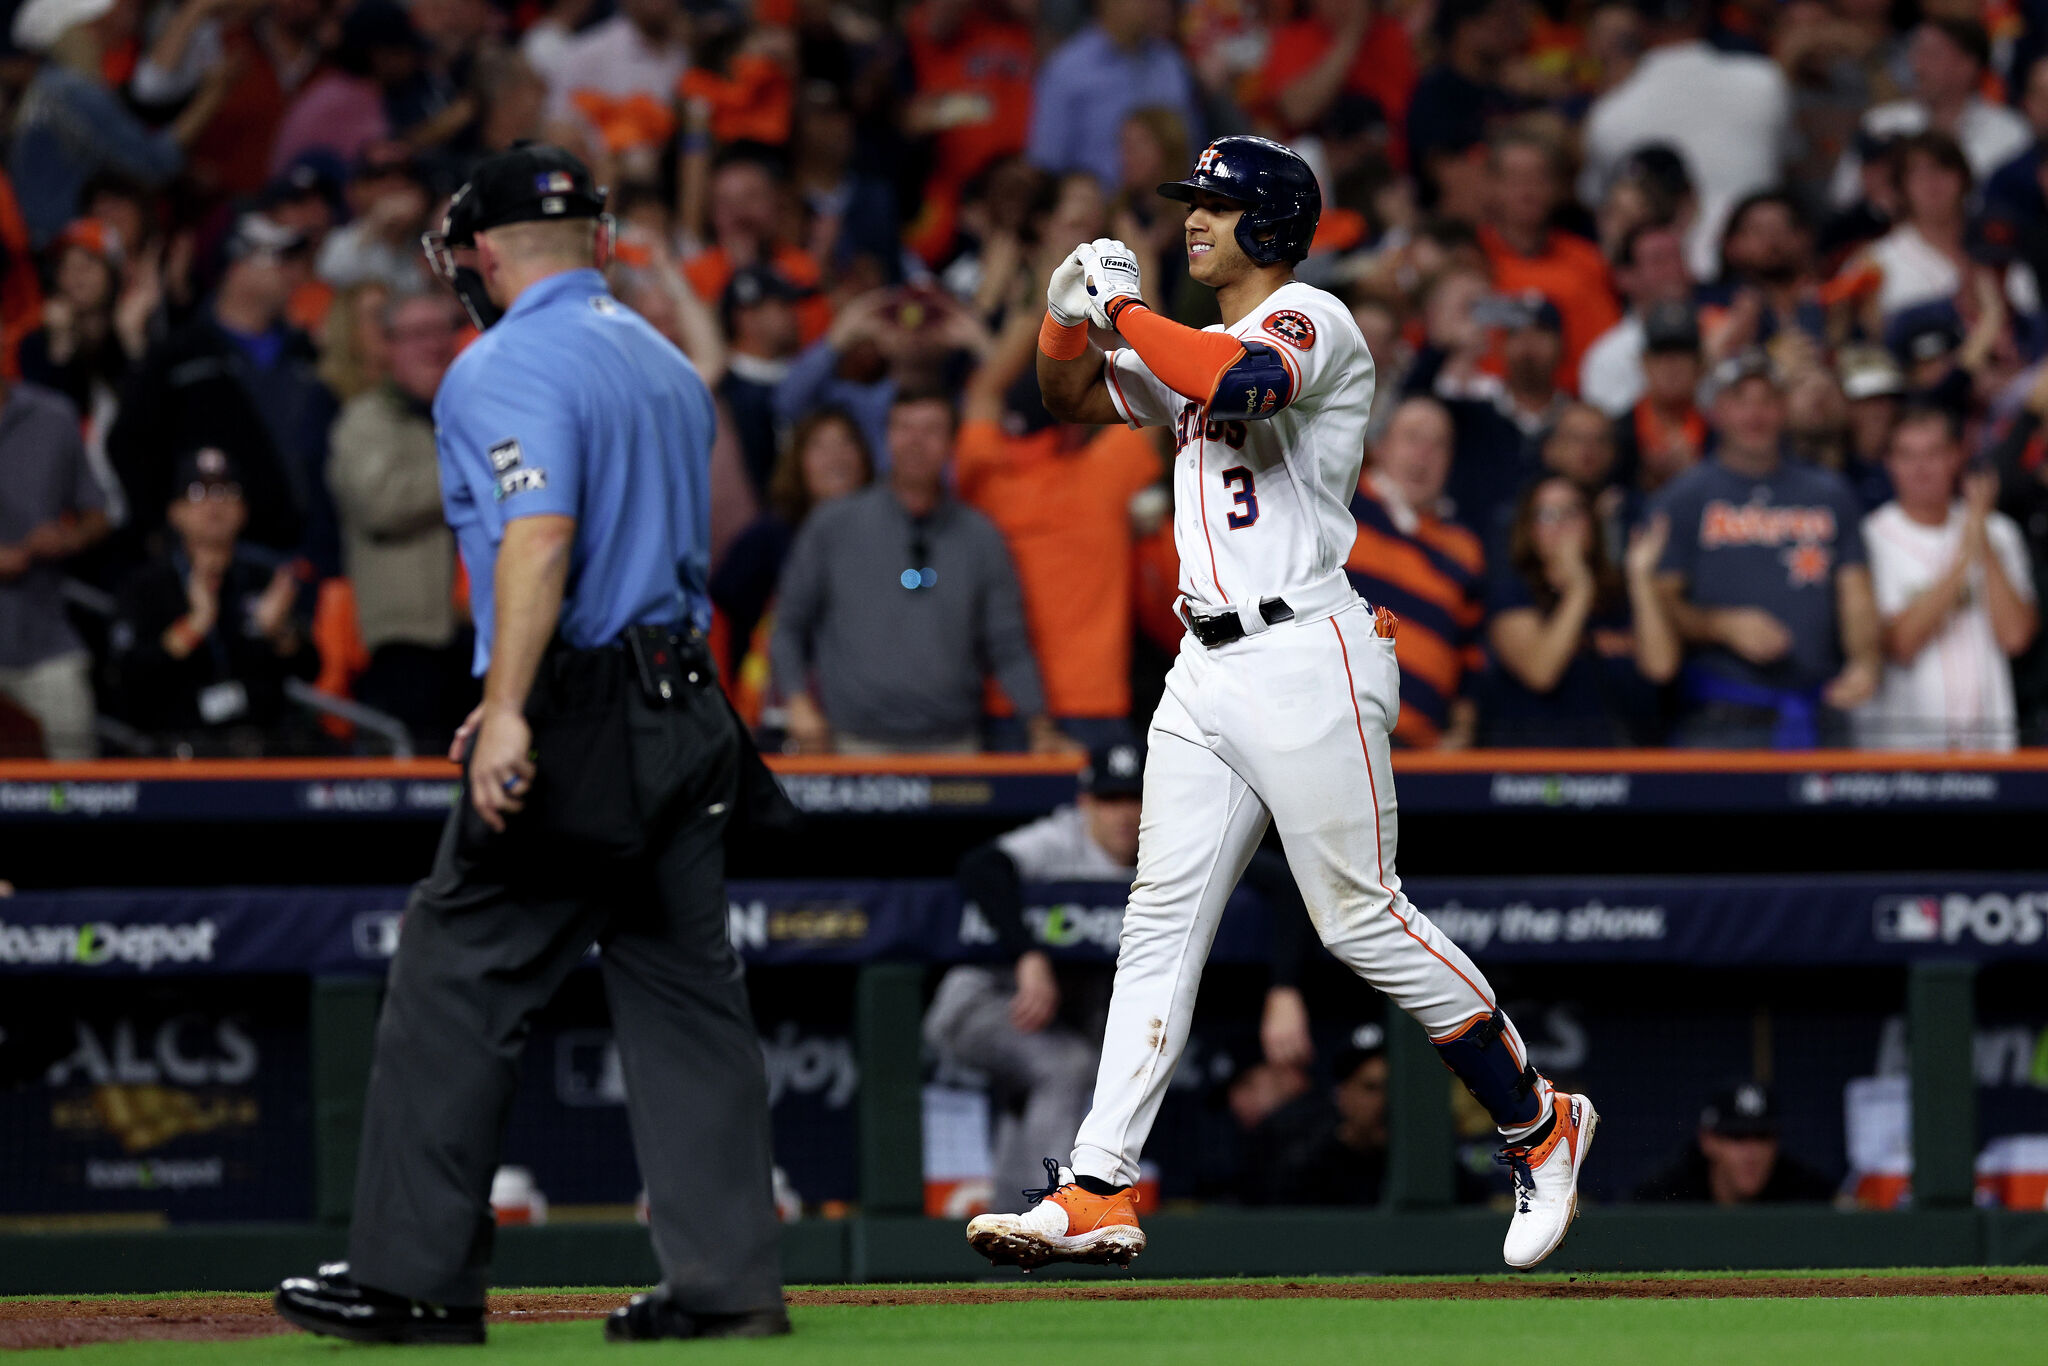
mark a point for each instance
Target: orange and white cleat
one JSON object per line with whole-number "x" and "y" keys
{"x": 1546, "y": 1168}
{"x": 1068, "y": 1224}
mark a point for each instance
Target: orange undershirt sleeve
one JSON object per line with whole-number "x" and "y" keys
{"x": 1187, "y": 360}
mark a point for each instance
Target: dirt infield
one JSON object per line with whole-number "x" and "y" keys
{"x": 58, "y": 1322}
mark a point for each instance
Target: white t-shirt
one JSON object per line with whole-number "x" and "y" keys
{"x": 614, "y": 59}
{"x": 1914, "y": 271}
{"x": 1611, "y": 372}
{"x": 1263, "y": 504}
{"x": 1957, "y": 693}
{"x": 1728, "y": 114}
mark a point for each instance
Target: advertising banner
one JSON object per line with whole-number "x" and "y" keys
{"x": 174, "y": 1096}
{"x": 1734, "y": 921}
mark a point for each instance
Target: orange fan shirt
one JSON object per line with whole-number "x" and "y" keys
{"x": 1383, "y": 69}
{"x": 710, "y": 271}
{"x": 21, "y": 289}
{"x": 1571, "y": 272}
{"x": 987, "y": 66}
{"x": 1065, "y": 515}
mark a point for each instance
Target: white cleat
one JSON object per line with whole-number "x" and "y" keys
{"x": 1068, "y": 1224}
{"x": 1547, "y": 1181}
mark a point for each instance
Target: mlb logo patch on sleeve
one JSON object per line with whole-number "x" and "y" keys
{"x": 506, "y": 455}
{"x": 1291, "y": 327}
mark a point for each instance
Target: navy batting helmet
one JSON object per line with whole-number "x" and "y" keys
{"x": 1276, "y": 187}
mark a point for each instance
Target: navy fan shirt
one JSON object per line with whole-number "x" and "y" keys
{"x": 1773, "y": 543}
{"x": 573, "y": 406}
{"x": 1434, "y": 579}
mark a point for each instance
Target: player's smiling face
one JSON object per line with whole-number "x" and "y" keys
{"x": 1214, "y": 257}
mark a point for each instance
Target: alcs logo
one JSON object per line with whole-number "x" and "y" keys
{"x": 1991, "y": 918}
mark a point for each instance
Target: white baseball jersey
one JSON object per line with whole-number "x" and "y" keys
{"x": 1287, "y": 724}
{"x": 1957, "y": 693}
{"x": 1262, "y": 480}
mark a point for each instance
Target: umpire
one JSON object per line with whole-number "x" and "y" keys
{"x": 601, "y": 773}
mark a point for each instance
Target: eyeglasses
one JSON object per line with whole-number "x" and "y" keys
{"x": 920, "y": 574}
{"x": 211, "y": 493}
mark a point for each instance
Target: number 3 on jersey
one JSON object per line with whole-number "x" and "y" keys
{"x": 1246, "y": 497}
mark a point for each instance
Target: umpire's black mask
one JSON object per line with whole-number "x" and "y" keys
{"x": 530, "y": 183}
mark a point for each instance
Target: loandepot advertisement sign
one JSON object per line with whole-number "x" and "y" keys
{"x": 100, "y": 943}
{"x": 69, "y": 799}
{"x": 186, "y": 1098}
{"x": 1873, "y": 918}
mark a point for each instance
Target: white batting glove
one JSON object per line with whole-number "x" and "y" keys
{"x": 1066, "y": 294}
{"x": 1112, "y": 271}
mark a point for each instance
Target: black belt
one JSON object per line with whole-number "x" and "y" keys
{"x": 1225, "y": 627}
{"x": 666, "y": 657}
{"x": 660, "y": 658}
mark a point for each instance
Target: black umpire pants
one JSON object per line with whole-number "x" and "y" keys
{"x": 621, "y": 844}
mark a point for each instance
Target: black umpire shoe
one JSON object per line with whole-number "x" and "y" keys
{"x": 654, "y": 1315}
{"x": 332, "y": 1304}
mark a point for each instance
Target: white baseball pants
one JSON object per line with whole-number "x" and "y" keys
{"x": 1289, "y": 724}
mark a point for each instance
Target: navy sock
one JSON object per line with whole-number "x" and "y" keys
{"x": 1095, "y": 1185}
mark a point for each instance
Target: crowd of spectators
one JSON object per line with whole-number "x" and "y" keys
{"x": 1710, "y": 396}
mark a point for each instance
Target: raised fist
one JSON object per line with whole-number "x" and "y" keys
{"x": 1112, "y": 275}
{"x": 1066, "y": 293}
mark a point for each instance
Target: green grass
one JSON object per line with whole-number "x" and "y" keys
{"x": 1090, "y": 1277}
{"x": 1897, "y": 1332}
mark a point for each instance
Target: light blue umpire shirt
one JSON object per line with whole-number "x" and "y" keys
{"x": 573, "y": 406}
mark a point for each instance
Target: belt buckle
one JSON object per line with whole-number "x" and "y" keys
{"x": 1212, "y": 631}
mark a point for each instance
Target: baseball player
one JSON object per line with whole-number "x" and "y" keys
{"x": 1279, "y": 705}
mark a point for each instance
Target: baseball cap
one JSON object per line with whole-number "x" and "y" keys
{"x": 204, "y": 466}
{"x": 1752, "y": 362}
{"x": 1869, "y": 372}
{"x": 1745, "y": 1110}
{"x": 751, "y": 285}
{"x": 1671, "y": 326}
{"x": 91, "y": 235}
{"x": 1924, "y": 332}
{"x": 315, "y": 171}
{"x": 1367, "y": 1042}
{"x": 1116, "y": 770}
{"x": 256, "y": 234}
{"x": 1529, "y": 308}
{"x": 1659, "y": 164}
{"x": 533, "y": 182}
{"x": 1024, "y": 410}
